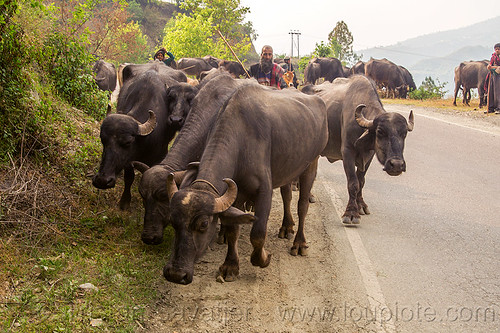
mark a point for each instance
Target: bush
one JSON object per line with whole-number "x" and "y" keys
{"x": 428, "y": 90}
{"x": 70, "y": 67}
{"x": 13, "y": 88}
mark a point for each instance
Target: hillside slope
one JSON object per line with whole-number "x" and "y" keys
{"x": 437, "y": 54}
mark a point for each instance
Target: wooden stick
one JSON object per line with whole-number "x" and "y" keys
{"x": 234, "y": 54}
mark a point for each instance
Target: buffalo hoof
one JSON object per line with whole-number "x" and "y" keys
{"x": 260, "y": 258}
{"x": 286, "y": 233}
{"x": 348, "y": 220}
{"x": 229, "y": 273}
{"x": 299, "y": 249}
{"x": 124, "y": 205}
{"x": 363, "y": 210}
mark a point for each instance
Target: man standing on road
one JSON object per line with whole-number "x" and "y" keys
{"x": 266, "y": 71}
{"x": 493, "y": 82}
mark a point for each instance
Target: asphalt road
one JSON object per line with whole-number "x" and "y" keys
{"x": 427, "y": 259}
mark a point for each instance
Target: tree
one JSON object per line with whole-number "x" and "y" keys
{"x": 321, "y": 50}
{"x": 194, "y": 33}
{"x": 341, "y": 39}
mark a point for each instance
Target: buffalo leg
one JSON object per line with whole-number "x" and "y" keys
{"x": 128, "y": 177}
{"x": 230, "y": 269}
{"x": 457, "y": 88}
{"x": 259, "y": 256}
{"x": 351, "y": 215}
{"x": 306, "y": 183}
{"x": 286, "y": 230}
{"x": 360, "y": 175}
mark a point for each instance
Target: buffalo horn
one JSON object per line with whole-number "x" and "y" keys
{"x": 149, "y": 125}
{"x": 142, "y": 167}
{"x": 171, "y": 186}
{"x": 362, "y": 121}
{"x": 226, "y": 200}
{"x": 410, "y": 121}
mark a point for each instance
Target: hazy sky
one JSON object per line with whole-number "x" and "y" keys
{"x": 372, "y": 23}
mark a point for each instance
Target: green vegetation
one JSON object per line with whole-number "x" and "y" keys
{"x": 428, "y": 90}
{"x": 57, "y": 232}
{"x": 196, "y": 32}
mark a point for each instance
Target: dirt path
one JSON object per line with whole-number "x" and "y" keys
{"x": 293, "y": 294}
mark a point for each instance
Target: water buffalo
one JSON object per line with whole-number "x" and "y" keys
{"x": 105, "y": 75}
{"x": 387, "y": 74}
{"x": 360, "y": 128}
{"x": 469, "y": 75}
{"x": 329, "y": 68}
{"x": 194, "y": 66}
{"x": 233, "y": 67}
{"x": 188, "y": 147}
{"x": 167, "y": 75}
{"x": 408, "y": 81}
{"x": 143, "y": 96}
{"x": 358, "y": 68}
{"x": 251, "y": 150}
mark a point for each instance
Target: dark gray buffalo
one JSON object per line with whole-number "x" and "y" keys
{"x": 168, "y": 75}
{"x": 233, "y": 67}
{"x": 359, "y": 128}
{"x": 194, "y": 66}
{"x": 105, "y": 75}
{"x": 470, "y": 75}
{"x": 140, "y": 130}
{"x": 251, "y": 150}
{"x": 358, "y": 68}
{"x": 329, "y": 69}
{"x": 387, "y": 74}
{"x": 188, "y": 147}
{"x": 408, "y": 81}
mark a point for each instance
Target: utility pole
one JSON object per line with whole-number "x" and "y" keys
{"x": 293, "y": 33}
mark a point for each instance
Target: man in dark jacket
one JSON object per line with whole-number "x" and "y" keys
{"x": 266, "y": 71}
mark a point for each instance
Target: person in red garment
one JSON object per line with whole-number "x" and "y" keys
{"x": 493, "y": 82}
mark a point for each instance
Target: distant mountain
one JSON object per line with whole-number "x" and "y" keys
{"x": 438, "y": 54}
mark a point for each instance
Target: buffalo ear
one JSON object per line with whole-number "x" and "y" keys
{"x": 366, "y": 141}
{"x": 233, "y": 216}
{"x": 190, "y": 174}
{"x": 142, "y": 167}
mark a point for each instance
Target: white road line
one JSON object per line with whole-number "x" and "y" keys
{"x": 370, "y": 281}
{"x": 496, "y": 133}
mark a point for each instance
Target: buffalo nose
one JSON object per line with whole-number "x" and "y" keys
{"x": 176, "y": 120}
{"x": 176, "y": 276}
{"x": 103, "y": 182}
{"x": 395, "y": 166}
{"x": 151, "y": 240}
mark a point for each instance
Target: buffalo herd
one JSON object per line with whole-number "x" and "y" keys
{"x": 234, "y": 142}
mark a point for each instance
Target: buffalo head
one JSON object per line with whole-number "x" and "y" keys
{"x": 386, "y": 135}
{"x": 119, "y": 133}
{"x": 179, "y": 100}
{"x": 194, "y": 213}
{"x": 155, "y": 200}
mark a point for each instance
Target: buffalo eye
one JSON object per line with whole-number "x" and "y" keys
{"x": 161, "y": 196}
{"x": 127, "y": 142}
{"x": 201, "y": 224}
{"x": 381, "y": 132}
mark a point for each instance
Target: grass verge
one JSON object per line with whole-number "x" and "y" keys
{"x": 57, "y": 233}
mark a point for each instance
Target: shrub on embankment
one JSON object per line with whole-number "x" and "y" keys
{"x": 57, "y": 232}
